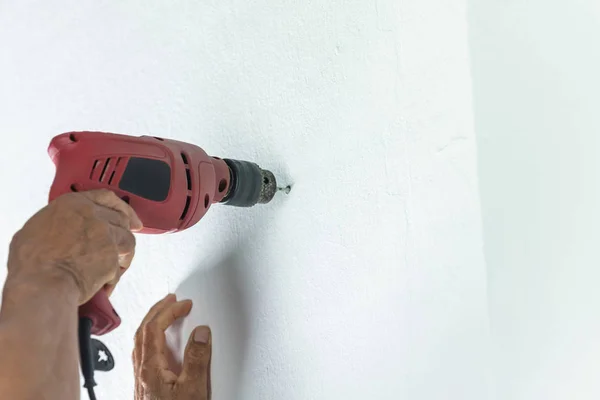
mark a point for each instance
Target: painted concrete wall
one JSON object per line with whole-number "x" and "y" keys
{"x": 368, "y": 280}
{"x": 536, "y": 85}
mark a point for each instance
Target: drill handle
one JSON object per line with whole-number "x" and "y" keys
{"x": 101, "y": 312}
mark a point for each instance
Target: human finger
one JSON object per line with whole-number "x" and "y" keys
{"x": 155, "y": 341}
{"x": 165, "y": 301}
{"x": 169, "y": 314}
{"x": 196, "y": 360}
{"x": 109, "y": 199}
{"x": 112, "y": 216}
{"x": 125, "y": 244}
{"x": 139, "y": 334}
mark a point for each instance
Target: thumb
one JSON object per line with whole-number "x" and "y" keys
{"x": 196, "y": 359}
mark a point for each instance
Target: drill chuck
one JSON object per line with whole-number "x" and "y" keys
{"x": 249, "y": 184}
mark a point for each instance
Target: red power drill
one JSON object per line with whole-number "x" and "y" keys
{"x": 169, "y": 184}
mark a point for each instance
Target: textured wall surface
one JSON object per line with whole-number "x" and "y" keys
{"x": 536, "y": 88}
{"x": 368, "y": 280}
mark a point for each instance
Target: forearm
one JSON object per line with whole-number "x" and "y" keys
{"x": 38, "y": 337}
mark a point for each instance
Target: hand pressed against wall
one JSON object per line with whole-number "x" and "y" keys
{"x": 153, "y": 378}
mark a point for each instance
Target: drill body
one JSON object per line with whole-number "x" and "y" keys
{"x": 170, "y": 185}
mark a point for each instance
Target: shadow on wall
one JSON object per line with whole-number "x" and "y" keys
{"x": 223, "y": 290}
{"x": 219, "y": 301}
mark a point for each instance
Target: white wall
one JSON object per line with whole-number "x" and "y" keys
{"x": 536, "y": 85}
{"x": 368, "y": 280}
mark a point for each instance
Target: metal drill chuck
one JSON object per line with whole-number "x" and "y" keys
{"x": 249, "y": 185}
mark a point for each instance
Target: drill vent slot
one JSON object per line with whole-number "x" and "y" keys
{"x": 94, "y": 168}
{"x": 107, "y": 169}
{"x": 104, "y": 169}
{"x": 188, "y": 174}
{"x": 189, "y": 179}
{"x": 188, "y": 200}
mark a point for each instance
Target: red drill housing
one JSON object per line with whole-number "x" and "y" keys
{"x": 169, "y": 184}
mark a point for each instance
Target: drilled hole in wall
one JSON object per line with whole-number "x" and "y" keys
{"x": 74, "y": 188}
{"x": 72, "y": 137}
{"x": 206, "y": 201}
{"x": 222, "y": 185}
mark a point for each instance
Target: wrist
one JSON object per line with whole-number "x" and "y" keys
{"x": 40, "y": 282}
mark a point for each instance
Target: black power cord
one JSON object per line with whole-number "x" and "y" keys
{"x": 87, "y": 355}
{"x": 91, "y": 393}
